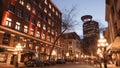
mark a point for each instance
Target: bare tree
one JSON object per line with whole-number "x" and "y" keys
{"x": 67, "y": 24}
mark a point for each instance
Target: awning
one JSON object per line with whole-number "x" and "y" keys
{"x": 116, "y": 44}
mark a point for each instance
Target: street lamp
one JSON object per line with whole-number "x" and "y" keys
{"x": 102, "y": 44}
{"x": 67, "y": 55}
{"x": 18, "y": 49}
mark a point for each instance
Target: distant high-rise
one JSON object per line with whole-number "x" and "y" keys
{"x": 90, "y": 31}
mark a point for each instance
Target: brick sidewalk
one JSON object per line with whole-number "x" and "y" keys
{"x": 5, "y": 65}
{"x": 108, "y": 66}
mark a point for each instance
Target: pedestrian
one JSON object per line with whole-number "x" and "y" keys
{"x": 95, "y": 62}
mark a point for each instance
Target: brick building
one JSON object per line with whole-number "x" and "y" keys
{"x": 30, "y": 23}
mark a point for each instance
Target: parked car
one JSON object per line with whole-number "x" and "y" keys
{"x": 34, "y": 63}
{"x": 60, "y": 61}
{"x": 49, "y": 62}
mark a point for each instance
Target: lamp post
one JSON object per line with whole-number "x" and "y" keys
{"x": 67, "y": 55}
{"x": 102, "y": 44}
{"x": 54, "y": 54}
{"x": 18, "y": 49}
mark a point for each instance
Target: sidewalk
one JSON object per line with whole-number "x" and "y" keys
{"x": 108, "y": 66}
{"x": 5, "y": 65}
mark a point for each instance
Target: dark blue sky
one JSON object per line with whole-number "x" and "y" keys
{"x": 96, "y": 8}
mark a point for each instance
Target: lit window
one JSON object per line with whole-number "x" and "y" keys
{"x": 45, "y": 10}
{"x": 43, "y": 36}
{"x": 48, "y": 38}
{"x": 52, "y": 23}
{"x": 53, "y": 32}
{"x": 17, "y": 26}
{"x": 56, "y": 33}
{"x": 21, "y": 2}
{"x": 49, "y": 14}
{"x": 48, "y": 29}
{"x": 28, "y": 6}
{"x": 44, "y": 27}
{"x": 52, "y": 39}
{"x": 36, "y": 48}
{"x": 39, "y": 24}
{"x": 32, "y": 31}
{"x": 30, "y": 46}
{"x": 50, "y": 6}
{"x": 42, "y": 49}
{"x": 45, "y": 1}
{"x": 25, "y": 29}
{"x": 33, "y": 10}
{"x": 38, "y": 34}
{"x": 53, "y": 9}
{"x": 8, "y": 22}
{"x": 56, "y": 13}
{"x": 49, "y": 21}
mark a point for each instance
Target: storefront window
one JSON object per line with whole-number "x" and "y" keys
{"x": 3, "y": 57}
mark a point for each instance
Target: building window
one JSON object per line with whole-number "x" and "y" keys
{"x": 33, "y": 10}
{"x": 17, "y": 26}
{"x": 45, "y": 10}
{"x": 32, "y": 31}
{"x": 25, "y": 29}
{"x": 119, "y": 13}
{"x": 30, "y": 46}
{"x": 52, "y": 40}
{"x": 56, "y": 33}
{"x": 40, "y": 14}
{"x": 27, "y": 17}
{"x": 35, "y": 1}
{"x": 50, "y": 6}
{"x": 28, "y": 6}
{"x": 44, "y": 27}
{"x": 33, "y": 20}
{"x": 48, "y": 29}
{"x": 49, "y": 21}
{"x": 45, "y": 19}
{"x": 37, "y": 48}
{"x": 53, "y": 9}
{"x": 48, "y": 38}
{"x": 52, "y": 23}
{"x": 56, "y": 13}
{"x": 43, "y": 36}
{"x": 6, "y": 39}
{"x": 70, "y": 42}
{"x": 52, "y": 32}
{"x": 21, "y": 2}
{"x": 39, "y": 24}
{"x": 49, "y": 14}
{"x": 38, "y": 34}
{"x": 45, "y": 1}
{"x": 8, "y": 22}
{"x": 40, "y": 5}
{"x": 12, "y": 8}
{"x": 20, "y": 13}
